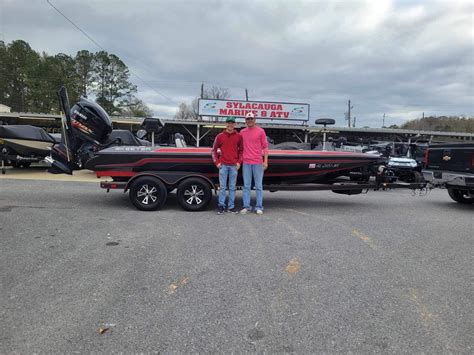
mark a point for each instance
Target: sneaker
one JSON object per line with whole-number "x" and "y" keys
{"x": 259, "y": 212}
{"x": 233, "y": 210}
{"x": 244, "y": 211}
{"x": 220, "y": 210}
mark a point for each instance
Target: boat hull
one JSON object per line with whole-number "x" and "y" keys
{"x": 26, "y": 141}
{"x": 285, "y": 166}
{"x": 24, "y": 147}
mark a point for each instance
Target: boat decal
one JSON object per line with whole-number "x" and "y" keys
{"x": 144, "y": 161}
{"x": 183, "y": 150}
{"x": 324, "y": 165}
{"x": 318, "y": 152}
{"x": 315, "y": 161}
{"x": 80, "y": 126}
{"x": 117, "y": 173}
{"x": 310, "y": 172}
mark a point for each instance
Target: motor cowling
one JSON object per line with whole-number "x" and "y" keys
{"x": 90, "y": 122}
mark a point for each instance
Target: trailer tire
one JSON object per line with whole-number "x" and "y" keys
{"x": 458, "y": 196}
{"x": 148, "y": 193}
{"x": 194, "y": 194}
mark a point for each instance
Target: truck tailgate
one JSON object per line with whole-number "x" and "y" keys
{"x": 451, "y": 157}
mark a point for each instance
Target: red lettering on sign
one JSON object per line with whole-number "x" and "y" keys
{"x": 263, "y": 113}
{"x": 286, "y": 114}
{"x": 223, "y": 111}
{"x": 228, "y": 104}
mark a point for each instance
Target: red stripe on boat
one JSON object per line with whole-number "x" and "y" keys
{"x": 191, "y": 150}
{"x": 161, "y": 160}
{"x": 101, "y": 173}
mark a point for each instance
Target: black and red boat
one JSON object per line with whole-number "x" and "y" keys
{"x": 285, "y": 166}
{"x": 150, "y": 172}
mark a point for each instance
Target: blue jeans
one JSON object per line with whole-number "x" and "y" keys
{"x": 255, "y": 171}
{"x": 227, "y": 171}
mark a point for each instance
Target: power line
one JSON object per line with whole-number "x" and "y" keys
{"x": 98, "y": 45}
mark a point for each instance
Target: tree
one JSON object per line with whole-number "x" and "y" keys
{"x": 29, "y": 81}
{"x": 84, "y": 66}
{"x": 111, "y": 83}
{"x": 442, "y": 123}
{"x": 3, "y": 73}
{"x": 18, "y": 69}
{"x": 216, "y": 92}
{"x": 43, "y": 87}
{"x": 50, "y": 74}
{"x": 134, "y": 107}
{"x": 183, "y": 113}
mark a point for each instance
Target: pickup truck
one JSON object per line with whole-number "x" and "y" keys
{"x": 452, "y": 166}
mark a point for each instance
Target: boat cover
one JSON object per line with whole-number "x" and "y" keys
{"x": 25, "y": 132}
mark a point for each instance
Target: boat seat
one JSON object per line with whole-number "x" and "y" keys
{"x": 179, "y": 140}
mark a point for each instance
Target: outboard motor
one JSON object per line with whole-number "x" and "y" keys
{"x": 85, "y": 128}
{"x": 90, "y": 122}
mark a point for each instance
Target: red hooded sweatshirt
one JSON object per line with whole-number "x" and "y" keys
{"x": 231, "y": 148}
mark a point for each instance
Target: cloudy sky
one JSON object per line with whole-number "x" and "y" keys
{"x": 401, "y": 58}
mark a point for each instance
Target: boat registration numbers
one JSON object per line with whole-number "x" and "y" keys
{"x": 323, "y": 165}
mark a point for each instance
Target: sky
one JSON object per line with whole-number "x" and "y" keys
{"x": 398, "y": 58}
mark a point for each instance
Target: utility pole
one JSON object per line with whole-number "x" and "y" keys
{"x": 246, "y": 94}
{"x": 383, "y": 120}
{"x": 202, "y": 91}
{"x": 354, "y": 122}
{"x": 348, "y": 118}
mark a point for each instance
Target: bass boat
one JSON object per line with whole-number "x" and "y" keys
{"x": 141, "y": 169}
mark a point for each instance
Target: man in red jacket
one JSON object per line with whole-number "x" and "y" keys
{"x": 229, "y": 142}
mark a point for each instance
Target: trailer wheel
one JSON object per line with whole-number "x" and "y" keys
{"x": 458, "y": 196}
{"x": 194, "y": 194}
{"x": 148, "y": 193}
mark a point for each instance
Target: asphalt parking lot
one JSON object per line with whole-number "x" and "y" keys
{"x": 82, "y": 270}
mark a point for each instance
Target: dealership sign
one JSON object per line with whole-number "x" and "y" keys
{"x": 261, "y": 109}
